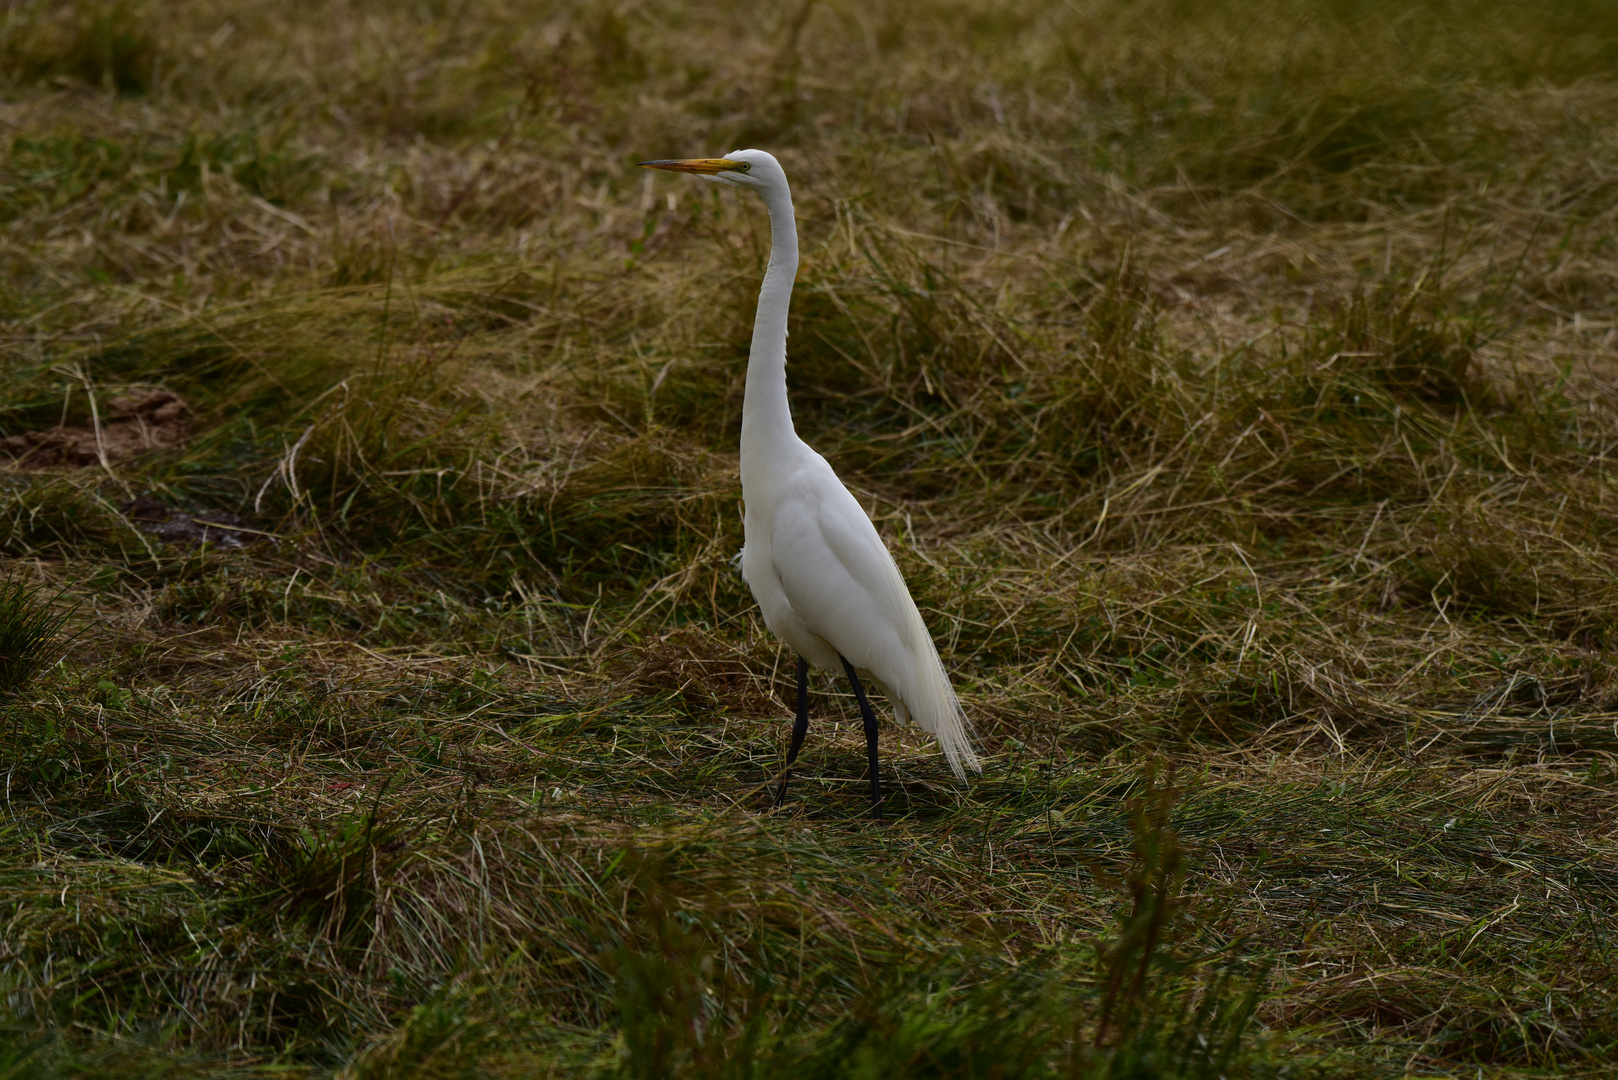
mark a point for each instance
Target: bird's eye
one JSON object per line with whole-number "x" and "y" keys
{"x": 746, "y": 165}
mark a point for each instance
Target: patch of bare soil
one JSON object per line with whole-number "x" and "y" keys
{"x": 138, "y": 422}
{"x": 178, "y": 527}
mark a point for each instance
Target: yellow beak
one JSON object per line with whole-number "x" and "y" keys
{"x": 703, "y": 166}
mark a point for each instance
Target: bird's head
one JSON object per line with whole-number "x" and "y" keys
{"x": 744, "y": 168}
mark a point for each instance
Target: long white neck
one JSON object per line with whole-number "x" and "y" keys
{"x": 766, "y": 419}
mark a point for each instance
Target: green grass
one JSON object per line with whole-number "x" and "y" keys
{"x": 28, "y": 633}
{"x": 1232, "y": 382}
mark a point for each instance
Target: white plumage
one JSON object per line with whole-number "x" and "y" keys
{"x": 825, "y": 583}
{"x": 828, "y": 588}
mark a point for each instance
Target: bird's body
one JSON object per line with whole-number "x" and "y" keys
{"x": 829, "y": 589}
{"x": 823, "y": 579}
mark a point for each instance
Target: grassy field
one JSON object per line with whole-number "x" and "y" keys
{"x": 1234, "y": 383}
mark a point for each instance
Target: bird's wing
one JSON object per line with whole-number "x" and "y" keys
{"x": 841, "y": 582}
{"x": 836, "y": 572}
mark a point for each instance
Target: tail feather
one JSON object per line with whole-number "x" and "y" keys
{"x": 921, "y": 687}
{"x": 931, "y": 702}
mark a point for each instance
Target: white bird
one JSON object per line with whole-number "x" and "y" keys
{"x": 820, "y": 573}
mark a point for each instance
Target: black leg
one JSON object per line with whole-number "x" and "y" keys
{"x": 800, "y": 728}
{"x": 870, "y": 735}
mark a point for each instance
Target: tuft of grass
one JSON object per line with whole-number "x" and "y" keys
{"x": 105, "y": 46}
{"x": 1390, "y": 336}
{"x": 29, "y": 627}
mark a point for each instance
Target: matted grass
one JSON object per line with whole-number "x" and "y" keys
{"x": 1234, "y": 384}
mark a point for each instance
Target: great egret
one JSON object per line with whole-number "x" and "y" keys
{"x": 820, "y": 573}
